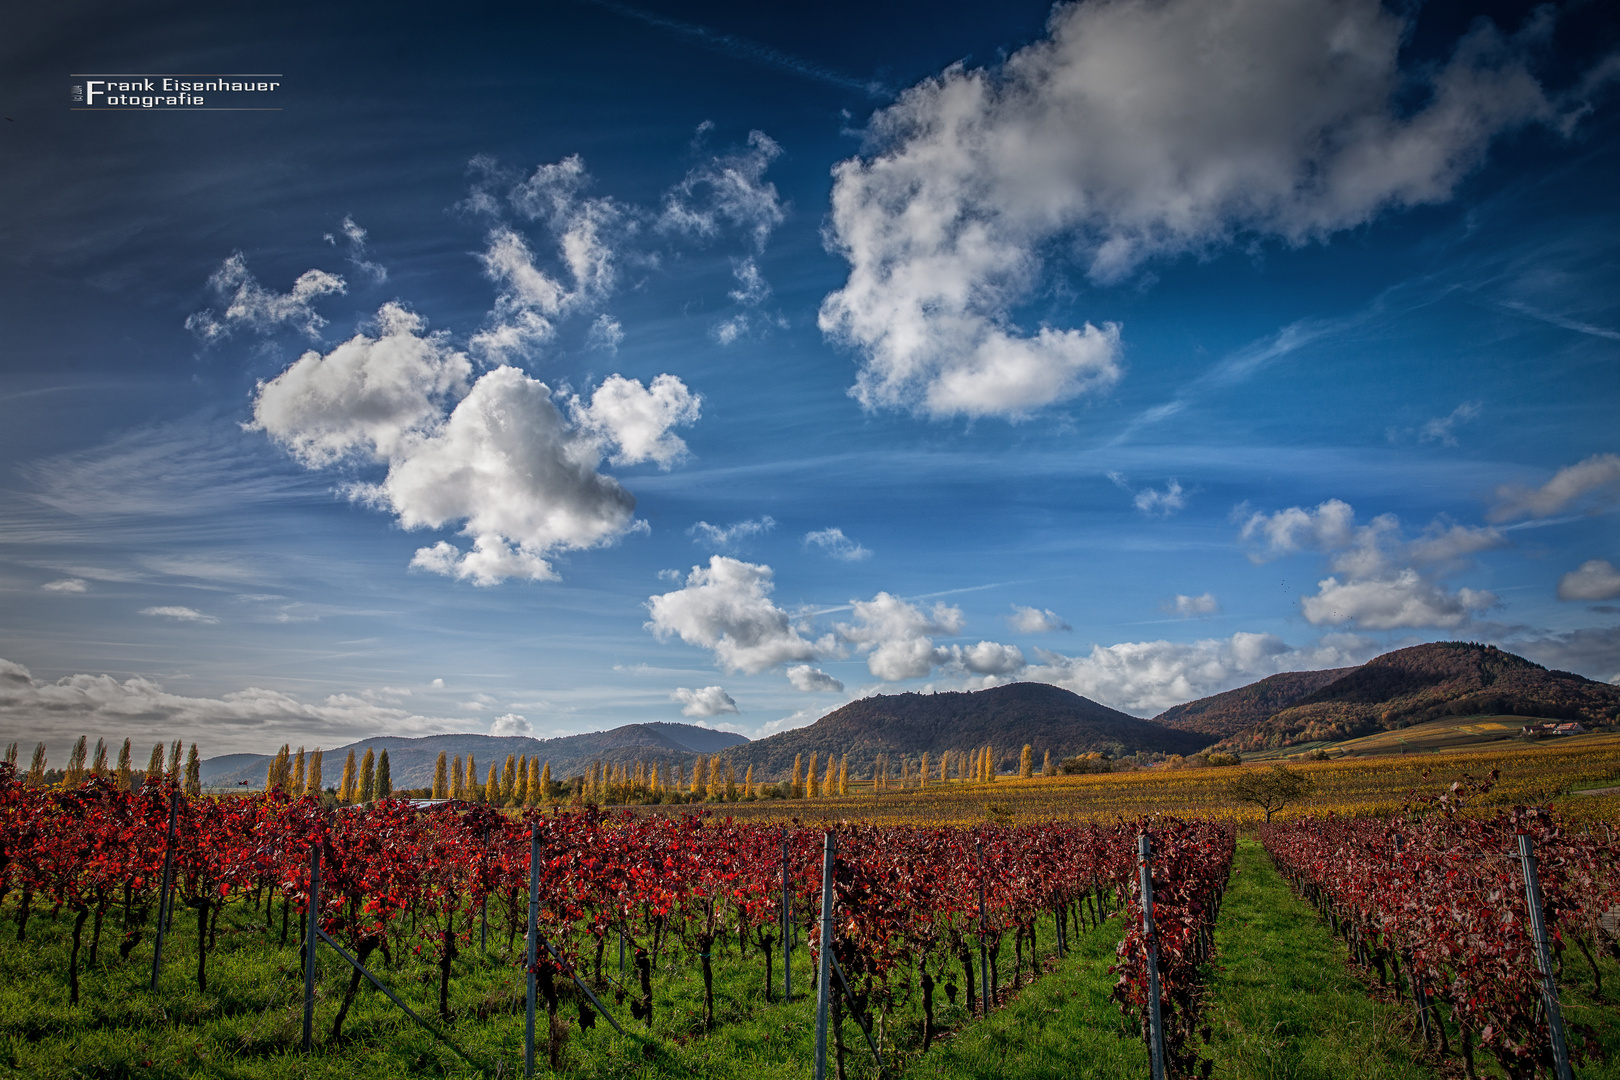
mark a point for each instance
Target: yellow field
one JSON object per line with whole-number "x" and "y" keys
{"x": 1533, "y": 773}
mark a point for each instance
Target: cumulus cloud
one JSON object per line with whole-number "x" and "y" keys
{"x": 1442, "y": 429}
{"x": 1597, "y": 579}
{"x": 988, "y": 658}
{"x": 1376, "y": 582}
{"x": 732, "y": 535}
{"x": 356, "y": 238}
{"x": 1598, "y": 476}
{"x": 1028, "y": 620}
{"x": 1133, "y": 130}
{"x": 509, "y": 725}
{"x": 812, "y": 680}
{"x": 245, "y": 720}
{"x": 519, "y": 477}
{"x": 183, "y": 614}
{"x": 726, "y": 607}
{"x": 71, "y": 584}
{"x": 1190, "y": 607}
{"x": 704, "y": 701}
{"x": 249, "y": 304}
{"x": 896, "y": 636}
{"x": 729, "y": 190}
{"x": 833, "y": 542}
{"x": 1147, "y": 677}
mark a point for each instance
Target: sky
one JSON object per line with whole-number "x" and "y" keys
{"x": 537, "y": 369}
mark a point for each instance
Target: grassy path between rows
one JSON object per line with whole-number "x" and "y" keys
{"x": 1283, "y": 1003}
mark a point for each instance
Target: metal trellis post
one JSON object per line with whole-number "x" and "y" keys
{"x": 1144, "y": 867}
{"x": 165, "y": 901}
{"x": 312, "y": 928}
{"x": 533, "y": 943}
{"x": 824, "y": 979}
{"x": 1549, "y": 988}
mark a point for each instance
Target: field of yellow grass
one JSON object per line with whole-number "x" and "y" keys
{"x": 1561, "y": 774}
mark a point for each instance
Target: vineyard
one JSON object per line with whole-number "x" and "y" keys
{"x": 657, "y": 938}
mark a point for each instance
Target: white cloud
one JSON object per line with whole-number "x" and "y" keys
{"x": 896, "y": 636}
{"x": 729, "y": 330}
{"x": 71, "y": 584}
{"x": 1598, "y": 475}
{"x": 704, "y": 701}
{"x": 728, "y": 190}
{"x": 1597, "y": 579}
{"x": 726, "y": 607}
{"x": 752, "y": 287}
{"x": 1164, "y": 503}
{"x": 1147, "y": 677}
{"x": 989, "y": 658}
{"x": 437, "y": 684}
{"x": 810, "y": 680}
{"x": 727, "y": 538}
{"x": 1028, "y": 620}
{"x": 1189, "y": 607}
{"x": 1442, "y": 429}
{"x": 252, "y": 305}
{"x": 1135, "y": 129}
{"x": 369, "y": 398}
{"x": 835, "y": 543}
{"x": 1381, "y": 587}
{"x": 183, "y": 614}
{"x": 356, "y": 236}
{"x": 1403, "y": 599}
{"x": 505, "y": 463}
{"x": 637, "y": 419}
{"x": 606, "y": 334}
{"x": 253, "y": 720}
{"x": 511, "y": 725}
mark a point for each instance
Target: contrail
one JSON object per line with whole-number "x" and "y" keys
{"x": 744, "y": 49}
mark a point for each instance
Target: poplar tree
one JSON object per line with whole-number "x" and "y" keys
{"x": 657, "y": 779}
{"x": 297, "y": 786}
{"x": 520, "y": 785}
{"x": 174, "y": 759}
{"x": 346, "y": 787}
{"x": 312, "y": 783}
{"x": 472, "y": 790}
{"x": 843, "y": 775}
{"x": 905, "y": 771}
{"x": 1049, "y": 768}
{"x": 1026, "y": 762}
{"x": 368, "y": 777}
{"x": 829, "y": 782}
{"x": 441, "y": 778}
{"x": 36, "y": 767}
{"x": 275, "y": 777}
{"x": 11, "y": 754}
{"x": 545, "y": 782}
{"x": 812, "y": 786}
{"x": 124, "y": 776}
{"x": 989, "y": 765}
{"x": 731, "y": 781}
{"x": 98, "y": 762}
{"x": 492, "y": 787}
{"x": 944, "y": 766}
{"x": 154, "y": 765}
{"x": 700, "y": 776}
{"x": 385, "y": 777}
{"x": 75, "y": 768}
{"x": 533, "y": 785}
{"x": 796, "y": 786}
{"x": 748, "y": 781}
{"x": 193, "y": 772}
{"x": 508, "y": 778}
{"x": 922, "y": 770}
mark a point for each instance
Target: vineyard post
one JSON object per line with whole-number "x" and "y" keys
{"x": 483, "y": 916}
{"x": 824, "y": 979}
{"x": 534, "y": 940}
{"x": 1144, "y": 868}
{"x": 1549, "y": 989}
{"x": 168, "y": 880}
{"x": 787, "y": 927}
{"x": 984, "y": 957}
{"x": 312, "y": 923}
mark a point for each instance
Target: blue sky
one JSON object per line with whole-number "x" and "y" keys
{"x": 551, "y": 368}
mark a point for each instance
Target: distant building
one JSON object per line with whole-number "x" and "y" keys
{"x": 1542, "y": 731}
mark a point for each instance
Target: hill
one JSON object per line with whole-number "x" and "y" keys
{"x": 1223, "y": 715}
{"x": 411, "y": 761}
{"x": 1422, "y": 683}
{"x": 1004, "y": 717}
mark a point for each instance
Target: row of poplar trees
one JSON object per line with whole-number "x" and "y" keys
{"x": 83, "y": 764}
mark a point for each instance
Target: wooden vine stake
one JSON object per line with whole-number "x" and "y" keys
{"x": 312, "y": 925}
{"x": 1549, "y": 988}
{"x": 165, "y": 900}
{"x": 533, "y": 943}
{"x": 824, "y": 979}
{"x": 1144, "y": 868}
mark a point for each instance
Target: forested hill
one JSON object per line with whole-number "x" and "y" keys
{"x": 411, "y": 761}
{"x": 1004, "y": 718}
{"x": 1425, "y": 682}
{"x": 1221, "y": 716}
